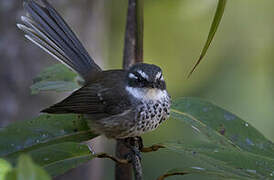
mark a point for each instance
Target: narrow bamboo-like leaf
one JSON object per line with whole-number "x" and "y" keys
{"x": 217, "y": 121}
{"x": 214, "y": 26}
{"x": 55, "y": 78}
{"x": 29, "y": 135}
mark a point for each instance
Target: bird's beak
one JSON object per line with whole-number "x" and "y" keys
{"x": 153, "y": 85}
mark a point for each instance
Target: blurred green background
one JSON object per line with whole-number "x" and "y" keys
{"x": 236, "y": 74}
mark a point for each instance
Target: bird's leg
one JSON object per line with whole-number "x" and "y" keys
{"x": 90, "y": 149}
{"x": 135, "y": 144}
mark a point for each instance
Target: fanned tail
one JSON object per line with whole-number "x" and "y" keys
{"x": 46, "y": 28}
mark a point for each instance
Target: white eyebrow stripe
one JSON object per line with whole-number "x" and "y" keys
{"x": 143, "y": 74}
{"x": 162, "y": 78}
{"x": 132, "y": 76}
{"x": 158, "y": 75}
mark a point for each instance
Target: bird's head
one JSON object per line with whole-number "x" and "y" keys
{"x": 145, "y": 80}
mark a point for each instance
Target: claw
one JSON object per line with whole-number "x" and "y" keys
{"x": 91, "y": 149}
{"x": 135, "y": 144}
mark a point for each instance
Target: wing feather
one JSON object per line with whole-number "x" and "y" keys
{"x": 104, "y": 96}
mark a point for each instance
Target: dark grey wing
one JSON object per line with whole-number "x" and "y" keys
{"x": 86, "y": 100}
{"x": 106, "y": 96}
{"x": 46, "y": 28}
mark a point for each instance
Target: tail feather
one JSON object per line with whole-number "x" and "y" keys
{"x": 47, "y": 29}
{"x": 35, "y": 35}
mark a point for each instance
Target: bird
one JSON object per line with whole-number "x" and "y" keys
{"x": 119, "y": 103}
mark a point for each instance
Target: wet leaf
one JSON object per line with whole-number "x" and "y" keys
{"x": 55, "y": 78}
{"x": 58, "y": 86}
{"x": 232, "y": 162}
{"x": 44, "y": 130}
{"x": 214, "y": 26}
{"x": 228, "y": 143}
{"x": 215, "y": 121}
{"x": 59, "y": 158}
{"x": 56, "y": 159}
{"x": 56, "y": 72}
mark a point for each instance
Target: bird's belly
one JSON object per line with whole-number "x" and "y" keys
{"x": 149, "y": 116}
{"x": 146, "y": 117}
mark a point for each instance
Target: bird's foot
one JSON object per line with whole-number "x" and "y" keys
{"x": 91, "y": 149}
{"x": 135, "y": 144}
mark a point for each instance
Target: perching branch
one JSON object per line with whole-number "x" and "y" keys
{"x": 115, "y": 159}
{"x": 133, "y": 53}
{"x": 133, "y": 49}
{"x": 152, "y": 148}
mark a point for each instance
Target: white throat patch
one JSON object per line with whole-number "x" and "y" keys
{"x": 147, "y": 93}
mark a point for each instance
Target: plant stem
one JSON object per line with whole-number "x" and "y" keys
{"x": 133, "y": 53}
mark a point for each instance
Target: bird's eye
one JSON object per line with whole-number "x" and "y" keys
{"x": 139, "y": 79}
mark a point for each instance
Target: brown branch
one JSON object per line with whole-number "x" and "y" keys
{"x": 133, "y": 49}
{"x": 171, "y": 174}
{"x": 122, "y": 171}
{"x": 152, "y": 148}
{"x": 115, "y": 159}
{"x": 133, "y": 53}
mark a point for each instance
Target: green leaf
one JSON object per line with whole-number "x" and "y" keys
{"x": 213, "y": 120}
{"x": 227, "y": 144}
{"x": 5, "y": 167}
{"x": 58, "y": 86}
{"x": 56, "y": 72}
{"x": 232, "y": 162}
{"x": 27, "y": 170}
{"x": 219, "y": 174}
{"x": 55, "y": 78}
{"x": 44, "y": 130}
{"x": 214, "y": 26}
{"x": 56, "y": 159}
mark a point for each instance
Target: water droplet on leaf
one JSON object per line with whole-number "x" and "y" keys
{"x": 198, "y": 168}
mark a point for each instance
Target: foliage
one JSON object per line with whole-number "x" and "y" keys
{"x": 229, "y": 148}
{"x": 5, "y": 167}
{"x": 214, "y": 26}
{"x": 26, "y": 169}
{"x": 55, "y": 78}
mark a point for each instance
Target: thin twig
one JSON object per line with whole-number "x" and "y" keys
{"x": 152, "y": 148}
{"x": 171, "y": 174}
{"x": 115, "y": 159}
{"x": 122, "y": 171}
{"x": 133, "y": 53}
